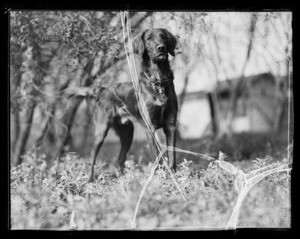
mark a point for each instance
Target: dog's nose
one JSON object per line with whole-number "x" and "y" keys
{"x": 159, "y": 47}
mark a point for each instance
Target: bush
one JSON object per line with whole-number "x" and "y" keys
{"x": 46, "y": 197}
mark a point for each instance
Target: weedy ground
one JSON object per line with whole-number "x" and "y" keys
{"x": 58, "y": 196}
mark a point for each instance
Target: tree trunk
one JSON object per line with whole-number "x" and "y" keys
{"x": 212, "y": 100}
{"x": 16, "y": 129}
{"x": 69, "y": 117}
{"x": 41, "y": 72}
{"x": 15, "y": 83}
{"x": 278, "y": 103}
{"x": 70, "y": 121}
{"x": 87, "y": 127}
{"x": 183, "y": 93}
{"x": 240, "y": 84}
{"x": 44, "y": 131}
{"x": 282, "y": 116}
{"x": 181, "y": 99}
{"x": 21, "y": 144}
{"x": 49, "y": 121}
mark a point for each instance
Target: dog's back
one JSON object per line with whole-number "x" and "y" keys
{"x": 119, "y": 103}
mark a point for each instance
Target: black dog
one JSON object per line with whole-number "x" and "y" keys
{"x": 115, "y": 106}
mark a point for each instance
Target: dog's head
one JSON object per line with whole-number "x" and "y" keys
{"x": 155, "y": 44}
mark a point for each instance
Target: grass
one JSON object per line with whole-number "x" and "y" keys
{"x": 59, "y": 196}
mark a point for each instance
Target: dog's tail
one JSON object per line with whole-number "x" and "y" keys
{"x": 81, "y": 92}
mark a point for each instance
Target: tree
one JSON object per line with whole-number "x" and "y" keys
{"x": 55, "y": 50}
{"x": 241, "y": 79}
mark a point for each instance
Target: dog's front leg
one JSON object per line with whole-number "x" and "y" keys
{"x": 170, "y": 132}
{"x": 169, "y": 124}
{"x": 152, "y": 145}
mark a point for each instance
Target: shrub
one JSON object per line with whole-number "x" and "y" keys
{"x": 60, "y": 197}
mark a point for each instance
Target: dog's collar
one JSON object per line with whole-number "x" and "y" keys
{"x": 159, "y": 83}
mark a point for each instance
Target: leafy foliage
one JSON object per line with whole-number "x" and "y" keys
{"x": 49, "y": 52}
{"x": 60, "y": 197}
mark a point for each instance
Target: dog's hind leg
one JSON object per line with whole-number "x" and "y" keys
{"x": 125, "y": 132}
{"x": 101, "y": 132}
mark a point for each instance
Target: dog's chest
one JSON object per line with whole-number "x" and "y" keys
{"x": 156, "y": 115}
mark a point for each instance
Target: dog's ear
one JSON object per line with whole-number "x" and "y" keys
{"x": 138, "y": 44}
{"x": 172, "y": 41}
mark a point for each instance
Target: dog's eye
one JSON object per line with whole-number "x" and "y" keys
{"x": 148, "y": 37}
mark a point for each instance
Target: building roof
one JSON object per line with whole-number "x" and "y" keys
{"x": 223, "y": 88}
